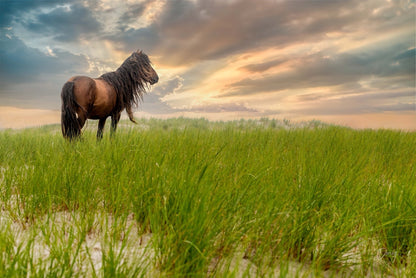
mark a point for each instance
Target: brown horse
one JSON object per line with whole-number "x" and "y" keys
{"x": 107, "y": 96}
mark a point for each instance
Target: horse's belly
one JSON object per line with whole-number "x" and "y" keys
{"x": 101, "y": 109}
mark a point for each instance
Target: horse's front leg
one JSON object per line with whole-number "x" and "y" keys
{"x": 101, "y": 124}
{"x": 115, "y": 118}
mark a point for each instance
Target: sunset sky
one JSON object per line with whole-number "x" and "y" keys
{"x": 349, "y": 62}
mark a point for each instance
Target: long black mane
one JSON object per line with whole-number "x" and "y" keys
{"x": 130, "y": 81}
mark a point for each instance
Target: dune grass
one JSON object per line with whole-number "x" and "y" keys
{"x": 183, "y": 197}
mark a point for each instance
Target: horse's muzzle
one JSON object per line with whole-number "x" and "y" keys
{"x": 154, "y": 80}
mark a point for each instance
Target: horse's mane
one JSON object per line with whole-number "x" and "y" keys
{"x": 129, "y": 81}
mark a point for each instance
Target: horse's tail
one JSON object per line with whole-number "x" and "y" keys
{"x": 69, "y": 121}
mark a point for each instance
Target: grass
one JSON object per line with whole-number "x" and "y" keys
{"x": 183, "y": 197}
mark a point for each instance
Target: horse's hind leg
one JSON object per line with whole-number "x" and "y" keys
{"x": 101, "y": 124}
{"x": 81, "y": 118}
{"x": 115, "y": 118}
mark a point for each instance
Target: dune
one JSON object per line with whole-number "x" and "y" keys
{"x": 13, "y": 117}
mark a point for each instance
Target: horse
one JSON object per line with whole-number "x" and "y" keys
{"x": 106, "y": 96}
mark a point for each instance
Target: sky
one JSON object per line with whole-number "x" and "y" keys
{"x": 348, "y": 62}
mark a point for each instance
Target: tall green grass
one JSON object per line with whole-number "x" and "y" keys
{"x": 185, "y": 197}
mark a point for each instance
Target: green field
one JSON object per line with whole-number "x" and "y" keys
{"x": 183, "y": 197}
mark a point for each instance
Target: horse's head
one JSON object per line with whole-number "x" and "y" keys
{"x": 148, "y": 72}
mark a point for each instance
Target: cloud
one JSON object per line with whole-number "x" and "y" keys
{"x": 20, "y": 63}
{"x": 265, "y": 66}
{"x": 32, "y": 78}
{"x": 168, "y": 87}
{"x": 132, "y": 39}
{"x": 154, "y": 102}
{"x": 187, "y": 32}
{"x": 11, "y": 10}
{"x": 239, "y": 56}
{"x": 65, "y": 23}
{"x": 346, "y": 70}
{"x": 408, "y": 54}
{"x": 207, "y": 31}
{"x": 132, "y": 13}
{"x": 362, "y": 103}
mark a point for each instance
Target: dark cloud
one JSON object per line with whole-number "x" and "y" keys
{"x": 132, "y": 39}
{"x": 31, "y": 78}
{"x": 14, "y": 9}
{"x": 65, "y": 23}
{"x": 168, "y": 87}
{"x": 214, "y": 33}
{"x": 202, "y": 30}
{"x": 20, "y": 63}
{"x": 154, "y": 103}
{"x": 133, "y": 13}
{"x": 191, "y": 31}
{"x": 405, "y": 65}
{"x": 408, "y": 54}
{"x": 203, "y": 37}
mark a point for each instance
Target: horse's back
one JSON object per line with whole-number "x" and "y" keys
{"x": 96, "y": 96}
{"x": 82, "y": 82}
